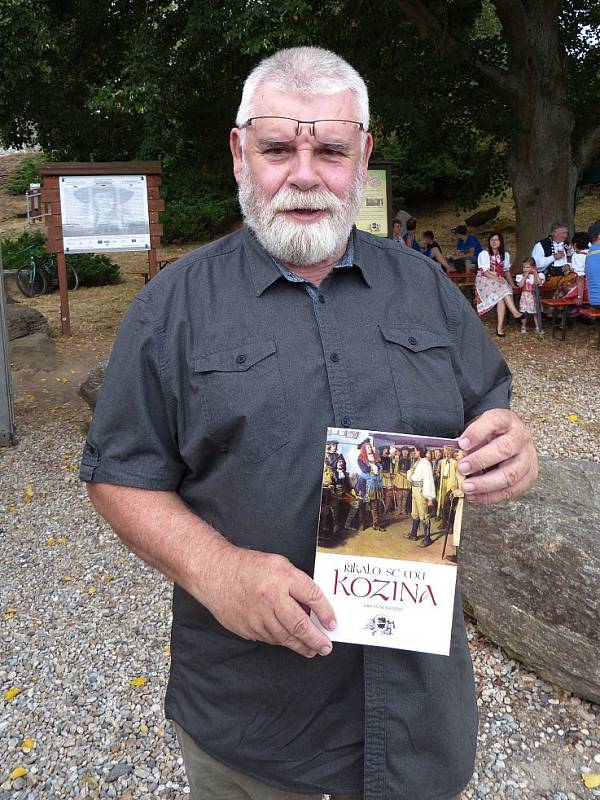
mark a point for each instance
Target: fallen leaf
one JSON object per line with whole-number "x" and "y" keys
{"x": 31, "y": 397}
{"x": 67, "y": 578}
{"x": 89, "y": 780}
{"x": 91, "y": 590}
{"x": 11, "y": 509}
{"x": 28, "y": 494}
{"x": 167, "y": 649}
{"x": 10, "y": 613}
{"x": 27, "y": 745}
{"x": 18, "y": 772}
{"x": 108, "y": 578}
{"x": 141, "y": 680}
{"x": 143, "y": 728}
{"x": 572, "y": 417}
{"x": 592, "y": 781}
{"x": 11, "y": 693}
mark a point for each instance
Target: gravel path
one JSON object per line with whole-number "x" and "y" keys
{"x": 84, "y": 626}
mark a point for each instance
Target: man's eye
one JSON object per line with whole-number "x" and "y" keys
{"x": 276, "y": 150}
{"x": 334, "y": 152}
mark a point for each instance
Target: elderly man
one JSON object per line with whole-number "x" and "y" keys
{"x": 550, "y": 254}
{"x": 206, "y": 456}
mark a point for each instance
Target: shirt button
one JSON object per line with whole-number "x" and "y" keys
{"x": 241, "y": 359}
{"x": 321, "y": 299}
{"x": 334, "y": 357}
{"x": 412, "y": 340}
{"x": 346, "y": 421}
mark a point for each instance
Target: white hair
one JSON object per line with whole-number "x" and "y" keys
{"x": 309, "y": 71}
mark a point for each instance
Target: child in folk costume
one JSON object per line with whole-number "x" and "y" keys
{"x": 420, "y": 476}
{"x": 369, "y": 484}
{"x": 528, "y": 280}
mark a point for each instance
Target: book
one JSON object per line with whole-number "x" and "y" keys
{"x": 388, "y": 537}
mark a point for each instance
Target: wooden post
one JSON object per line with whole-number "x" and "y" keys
{"x": 65, "y": 314}
{"x": 152, "y": 265}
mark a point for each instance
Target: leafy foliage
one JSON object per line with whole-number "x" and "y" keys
{"x": 197, "y": 219}
{"x": 27, "y": 172}
{"x": 93, "y": 270}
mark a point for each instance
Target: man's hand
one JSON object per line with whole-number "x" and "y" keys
{"x": 500, "y": 444}
{"x": 263, "y": 597}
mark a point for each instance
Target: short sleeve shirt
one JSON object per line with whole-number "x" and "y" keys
{"x": 221, "y": 385}
{"x": 466, "y": 244}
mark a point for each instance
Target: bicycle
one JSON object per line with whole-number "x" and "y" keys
{"x": 39, "y": 278}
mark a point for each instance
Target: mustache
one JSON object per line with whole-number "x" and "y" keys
{"x": 290, "y": 199}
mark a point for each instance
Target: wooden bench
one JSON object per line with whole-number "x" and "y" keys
{"x": 146, "y": 275}
{"x": 594, "y": 314}
{"x": 559, "y": 308}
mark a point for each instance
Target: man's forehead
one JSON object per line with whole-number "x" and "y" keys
{"x": 275, "y": 102}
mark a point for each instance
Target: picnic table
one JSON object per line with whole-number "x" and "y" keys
{"x": 560, "y": 308}
{"x": 160, "y": 264}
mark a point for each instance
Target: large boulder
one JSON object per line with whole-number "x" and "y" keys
{"x": 90, "y": 387}
{"x": 35, "y": 351}
{"x": 23, "y": 321}
{"x": 530, "y": 575}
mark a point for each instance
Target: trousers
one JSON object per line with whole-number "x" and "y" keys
{"x": 211, "y": 780}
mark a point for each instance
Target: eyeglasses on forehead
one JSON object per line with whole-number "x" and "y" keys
{"x": 317, "y": 126}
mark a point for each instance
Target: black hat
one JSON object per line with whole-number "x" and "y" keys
{"x": 594, "y": 231}
{"x": 460, "y": 229}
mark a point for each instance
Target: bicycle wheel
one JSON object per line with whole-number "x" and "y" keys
{"x": 72, "y": 278}
{"x": 31, "y": 282}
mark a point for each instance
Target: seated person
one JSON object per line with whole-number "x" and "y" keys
{"x": 467, "y": 250}
{"x": 397, "y": 231}
{"x": 592, "y": 265}
{"x": 433, "y": 250}
{"x": 409, "y": 236}
{"x": 580, "y": 244}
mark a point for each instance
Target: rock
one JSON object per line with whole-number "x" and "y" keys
{"x": 90, "y": 387}
{"x": 35, "y": 351}
{"x": 22, "y": 321}
{"x": 530, "y": 575}
{"x": 118, "y": 771}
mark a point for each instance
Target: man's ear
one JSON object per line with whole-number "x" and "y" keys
{"x": 235, "y": 144}
{"x": 366, "y": 155}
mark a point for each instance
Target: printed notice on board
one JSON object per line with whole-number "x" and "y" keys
{"x": 102, "y": 213}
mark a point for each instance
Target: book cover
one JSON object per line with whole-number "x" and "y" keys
{"x": 389, "y": 536}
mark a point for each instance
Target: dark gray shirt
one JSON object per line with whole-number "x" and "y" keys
{"x": 221, "y": 385}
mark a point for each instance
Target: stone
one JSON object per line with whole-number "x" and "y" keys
{"x": 35, "y": 351}
{"x": 118, "y": 771}
{"x": 530, "y": 575}
{"x": 90, "y": 387}
{"x": 22, "y": 321}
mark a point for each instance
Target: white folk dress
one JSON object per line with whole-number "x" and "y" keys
{"x": 527, "y": 304}
{"x": 489, "y": 291}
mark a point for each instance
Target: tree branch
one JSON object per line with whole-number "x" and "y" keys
{"x": 430, "y": 29}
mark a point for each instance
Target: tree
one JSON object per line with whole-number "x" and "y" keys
{"x": 543, "y": 66}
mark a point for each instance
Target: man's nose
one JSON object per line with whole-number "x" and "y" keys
{"x": 303, "y": 173}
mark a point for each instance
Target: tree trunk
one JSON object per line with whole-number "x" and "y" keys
{"x": 543, "y": 174}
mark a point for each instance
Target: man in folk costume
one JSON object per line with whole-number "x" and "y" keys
{"x": 420, "y": 476}
{"x": 447, "y": 470}
{"x": 371, "y": 486}
{"x": 550, "y": 254}
{"x": 343, "y": 493}
{"x": 456, "y": 509}
{"x": 401, "y": 463}
{"x": 387, "y": 480}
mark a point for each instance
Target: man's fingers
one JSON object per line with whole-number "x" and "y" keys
{"x": 276, "y": 633}
{"x": 305, "y": 591}
{"x": 487, "y": 496}
{"x": 506, "y": 474}
{"x": 479, "y": 432}
{"x": 499, "y": 450}
{"x": 299, "y": 627}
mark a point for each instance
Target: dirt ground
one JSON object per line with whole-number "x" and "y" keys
{"x": 96, "y": 312}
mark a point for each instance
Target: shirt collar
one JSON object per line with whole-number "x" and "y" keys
{"x": 265, "y": 270}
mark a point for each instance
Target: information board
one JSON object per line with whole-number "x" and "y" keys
{"x": 104, "y": 213}
{"x": 375, "y": 213}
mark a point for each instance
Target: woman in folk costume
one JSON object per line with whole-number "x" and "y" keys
{"x": 370, "y": 485}
{"x": 420, "y": 476}
{"x": 494, "y": 284}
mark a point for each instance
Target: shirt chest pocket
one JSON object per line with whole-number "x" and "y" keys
{"x": 421, "y": 366}
{"x": 242, "y": 398}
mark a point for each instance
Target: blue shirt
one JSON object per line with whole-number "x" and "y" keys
{"x": 466, "y": 244}
{"x": 592, "y": 274}
{"x": 415, "y": 245}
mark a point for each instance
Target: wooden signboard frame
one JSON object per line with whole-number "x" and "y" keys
{"x": 51, "y": 174}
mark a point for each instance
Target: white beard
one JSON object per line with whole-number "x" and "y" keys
{"x": 296, "y": 243}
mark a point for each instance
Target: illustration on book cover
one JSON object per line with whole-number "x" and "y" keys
{"x": 389, "y": 537}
